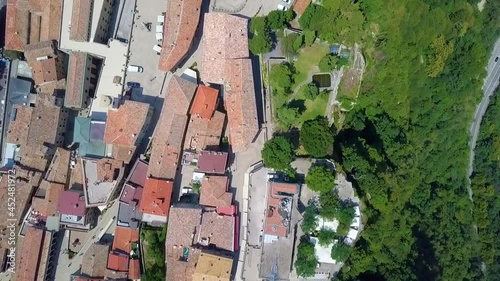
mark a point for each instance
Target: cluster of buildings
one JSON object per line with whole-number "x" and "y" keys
{"x": 69, "y": 137}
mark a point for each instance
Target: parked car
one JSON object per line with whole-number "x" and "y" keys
{"x": 287, "y": 1}
{"x": 135, "y": 68}
{"x": 496, "y": 59}
{"x": 133, "y": 85}
{"x": 282, "y": 8}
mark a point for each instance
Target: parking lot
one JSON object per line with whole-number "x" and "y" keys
{"x": 141, "y": 51}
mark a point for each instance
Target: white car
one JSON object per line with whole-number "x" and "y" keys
{"x": 287, "y": 1}
{"x": 282, "y": 8}
{"x": 135, "y": 68}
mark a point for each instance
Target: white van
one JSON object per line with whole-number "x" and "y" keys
{"x": 135, "y": 68}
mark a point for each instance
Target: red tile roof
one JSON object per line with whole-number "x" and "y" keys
{"x": 94, "y": 261}
{"x": 204, "y": 102}
{"x": 204, "y": 133}
{"x": 239, "y": 100}
{"x": 80, "y": 20}
{"x": 212, "y": 162}
{"x": 300, "y": 6}
{"x": 214, "y": 193}
{"x": 217, "y": 230}
{"x": 156, "y": 197}
{"x": 179, "y": 29}
{"x": 124, "y": 237}
{"x": 30, "y": 21}
{"x": 46, "y": 63}
{"x": 48, "y": 206}
{"x": 170, "y": 129}
{"x": 124, "y": 125}
{"x": 225, "y": 37}
{"x": 30, "y": 254}
{"x": 118, "y": 261}
{"x": 76, "y": 75}
{"x": 134, "y": 270}
{"x": 71, "y": 203}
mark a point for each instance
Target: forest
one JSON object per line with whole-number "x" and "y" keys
{"x": 404, "y": 145}
{"x": 486, "y": 186}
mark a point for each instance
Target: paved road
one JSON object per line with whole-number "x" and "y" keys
{"x": 66, "y": 267}
{"x": 490, "y": 84}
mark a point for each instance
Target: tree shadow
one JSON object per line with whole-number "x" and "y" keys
{"x": 299, "y": 104}
{"x": 292, "y": 135}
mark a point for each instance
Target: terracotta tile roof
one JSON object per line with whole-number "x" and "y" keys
{"x": 19, "y": 127}
{"x": 108, "y": 169}
{"x": 239, "y": 100}
{"x": 124, "y": 237}
{"x": 212, "y": 162}
{"x": 76, "y": 76}
{"x": 204, "y": 134}
{"x": 46, "y": 63}
{"x": 31, "y": 21}
{"x": 94, "y": 260}
{"x": 217, "y": 230}
{"x": 225, "y": 37}
{"x": 273, "y": 224}
{"x": 300, "y": 6}
{"x": 179, "y": 269}
{"x": 156, "y": 197}
{"x": 25, "y": 183}
{"x": 45, "y": 122}
{"x": 169, "y": 132}
{"x": 123, "y": 153}
{"x": 118, "y": 261}
{"x": 80, "y": 20}
{"x": 116, "y": 275}
{"x": 71, "y": 203}
{"x": 134, "y": 270}
{"x": 60, "y": 166}
{"x": 179, "y": 29}
{"x": 183, "y": 225}
{"x": 124, "y": 126}
{"x": 204, "y": 102}
{"x": 53, "y": 87}
{"x": 48, "y": 206}
{"x": 30, "y": 254}
{"x": 214, "y": 192}
{"x": 213, "y": 268}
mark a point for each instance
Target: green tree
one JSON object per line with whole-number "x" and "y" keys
{"x": 306, "y": 259}
{"x": 326, "y": 236}
{"x": 287, "y": 45}
{"x": 278, "y": 153}
{"x": 276, "y": 19}
{"x": 329, "y": 63}
{"x": 316, "y": 137}
{"x": 320, "y": 179}
{"x": 341, "y": 252}
{"x": 311, "y": 91}
{"x": 289, "y": 15}
{"x": 298, "y": 43}
{"x": 287, "y": 116}
{"x": 310, "y": 220}
{"x": 309, "y": 37}
{"x": 282, "y": 75}
{"x": 261, "y": 40}
{"x": 329, "y": 202}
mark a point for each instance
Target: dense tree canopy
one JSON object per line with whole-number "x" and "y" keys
{"x": 320, "y": 179}
{"x": 261, "y": 40}
{"x": 278, "y": 153}
{"x": 341, "y": 252}
{"x": 306, "y": 259}
{"x": 311, "y": 91}
{"x": 310, "y": 220}
{"x": 316, "y": 137}
{"x": 278, "y": 19}
{"x": 404, "y": 144}
{"x": 325, "y": 236}
{"x": 282, "y": 76}
{"x": 287, "y": 116}
{"x": 329, "y": 63}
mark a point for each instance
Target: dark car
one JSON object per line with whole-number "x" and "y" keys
{"x": 133, "y": 85}
{"x": 496, "y": 59}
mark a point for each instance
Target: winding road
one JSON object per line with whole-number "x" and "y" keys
{"x": 490, "y": 84}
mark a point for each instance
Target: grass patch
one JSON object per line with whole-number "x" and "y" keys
{"x": 308, "y": 58}
{"x": 313, "y": 108}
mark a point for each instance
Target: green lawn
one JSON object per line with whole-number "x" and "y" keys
{"x": 314, "y": 108}
{"x": 308, "y": 58}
